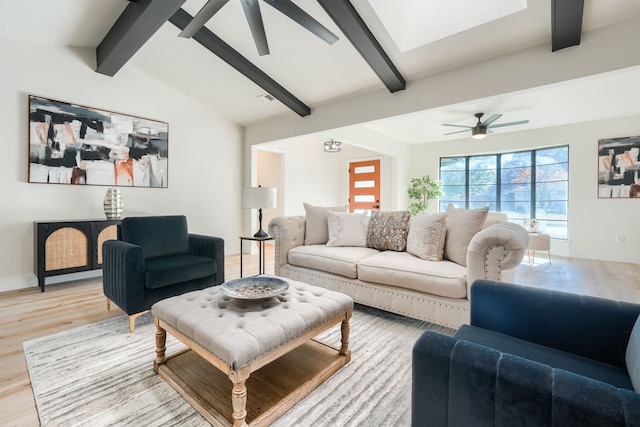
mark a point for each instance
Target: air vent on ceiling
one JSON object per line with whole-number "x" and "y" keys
{"x": 265, "y": 97}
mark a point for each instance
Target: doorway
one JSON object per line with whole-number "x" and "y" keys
{"x": 364, "y": 185}
{"x": 269, "y": 173}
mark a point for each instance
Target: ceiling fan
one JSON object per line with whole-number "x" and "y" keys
{"x": 481, "y": 129}
{"x": 254, "y": 18}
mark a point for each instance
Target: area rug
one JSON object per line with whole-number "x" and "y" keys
{"x": 100, "y": 375}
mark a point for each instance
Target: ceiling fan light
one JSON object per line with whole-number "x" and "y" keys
{"x": 478, "y": 132}
{"x": 332, "y": 146}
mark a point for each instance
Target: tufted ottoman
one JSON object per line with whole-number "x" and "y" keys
{"x": 266, "y": 348}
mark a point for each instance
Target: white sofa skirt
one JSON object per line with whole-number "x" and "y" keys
{"x": 418, "y": 305}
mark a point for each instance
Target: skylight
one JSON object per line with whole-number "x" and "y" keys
{"x": 414, "y": 23}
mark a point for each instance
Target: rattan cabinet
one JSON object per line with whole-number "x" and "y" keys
{"x": 64, "y": 247}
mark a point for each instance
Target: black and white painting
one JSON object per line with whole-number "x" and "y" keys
{"x": 73, "y": 144}
{"x": 619, "y": 167}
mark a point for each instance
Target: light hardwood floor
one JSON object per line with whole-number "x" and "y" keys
{"x": 27, "y": 314}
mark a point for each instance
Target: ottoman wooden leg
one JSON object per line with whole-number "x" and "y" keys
{"x": 161, "y": 341}
{"x": 345, "y": 329}
{"x": 239, "y": 397}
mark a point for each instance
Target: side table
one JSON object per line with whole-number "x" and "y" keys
{"x": 538, "y": 242}
{"x": 261, "y": 252}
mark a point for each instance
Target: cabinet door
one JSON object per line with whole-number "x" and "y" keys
{"x": 101, "y": 232}
{"x": 64, "y": 246}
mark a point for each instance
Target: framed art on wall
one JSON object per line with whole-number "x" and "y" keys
{"x": 73, "y": 144}
{"x": 619, "y": 167}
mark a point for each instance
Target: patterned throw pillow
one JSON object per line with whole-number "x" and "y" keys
{"x": 426, "y": 236}
{"x": 388, "y": 230}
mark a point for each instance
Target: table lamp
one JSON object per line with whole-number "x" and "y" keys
{"x": 259, "y": 198}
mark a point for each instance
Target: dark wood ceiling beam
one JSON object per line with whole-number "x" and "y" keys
{"x": 217, "y": 46}
{"x": 566, "y": 23}
{"x": 139, "y": 21}
{"x": 353, "y": 27}
{"x": 208, "y": 10}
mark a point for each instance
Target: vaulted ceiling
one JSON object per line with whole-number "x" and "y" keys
{"x": 377, "y": 47}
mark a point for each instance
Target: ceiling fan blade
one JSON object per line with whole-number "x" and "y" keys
{"x": 254, "y": 18}
{"x": 520, "y": 122}
{"x": 491, "y": 119}
{"x": 458, "y": 131}
{"x": 457, "y": 126}
{"x": 294, "y": 12}
{"x": 202, "y": 17}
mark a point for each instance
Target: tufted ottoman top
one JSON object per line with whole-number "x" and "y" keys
{"x": 239, "y": 332}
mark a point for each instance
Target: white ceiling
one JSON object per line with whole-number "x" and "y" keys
{"x": 599, "y": 97}
{"x": 319, "y": 74}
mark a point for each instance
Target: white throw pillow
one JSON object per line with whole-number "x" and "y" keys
{"x": 316, "y": 227}
{"x": 347, "y": 229}
{"x": 462, "y": 225}
{"x": 427, "y": 235}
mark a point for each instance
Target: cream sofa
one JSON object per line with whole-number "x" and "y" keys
{"x": 399, "y": 282}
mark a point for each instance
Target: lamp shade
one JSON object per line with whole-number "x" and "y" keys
{"x": 259, "y": 197}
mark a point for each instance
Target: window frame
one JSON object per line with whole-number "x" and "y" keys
{"x": 533, "y": 183}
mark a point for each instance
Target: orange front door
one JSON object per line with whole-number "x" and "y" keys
{"x": 364, "y": 185}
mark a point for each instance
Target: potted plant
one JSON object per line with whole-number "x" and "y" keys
{"x": 422, "y": 190}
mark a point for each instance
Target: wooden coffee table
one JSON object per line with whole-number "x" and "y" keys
{"x": 247, "y": 363}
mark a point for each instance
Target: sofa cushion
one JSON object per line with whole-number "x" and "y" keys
{"x": 403, "y": 270}
{"x": 316, "y": 226}
{"x": 388, "y": 231}
{"x": 336, "y": 260}
{"x": 159, "y": 236}
{"x": 160, "y": 272}
{"x": 632, "y": 356}
{"x": 462, "y": 225}
{"x": 558, "y": 359}
{"x": 347, "y": 229}
{"x": 426, "y": 236}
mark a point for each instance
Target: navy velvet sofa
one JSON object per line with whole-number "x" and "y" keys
{"x": 531, "y": 357}
{"x": 155, "y": 258}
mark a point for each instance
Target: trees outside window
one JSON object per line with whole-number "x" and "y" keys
{"x": 531, "y": 184}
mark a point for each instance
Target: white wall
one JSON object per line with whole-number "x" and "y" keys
{"x": 322, "y": 179}
{"x": 318, "y": 178}
{"x": 593, "y": 222}
{"x": 270, "y": 174}
{"x": 311, "y": 176}
{"x": 205, "y": 153}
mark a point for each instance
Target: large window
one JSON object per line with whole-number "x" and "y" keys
{"x": 524, "y": 184}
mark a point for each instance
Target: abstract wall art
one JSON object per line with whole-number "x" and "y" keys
{"x": 73, "y": 144}
{"x": 619, "y": 167}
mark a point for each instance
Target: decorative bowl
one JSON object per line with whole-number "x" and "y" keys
{"x": 254, "y": 288}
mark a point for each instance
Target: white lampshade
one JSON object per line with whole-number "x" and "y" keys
{"x": 259, "y": 197}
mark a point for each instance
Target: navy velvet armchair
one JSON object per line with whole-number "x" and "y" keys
{"x": 531, "y": 357}
{"x": 156, "y": 258}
